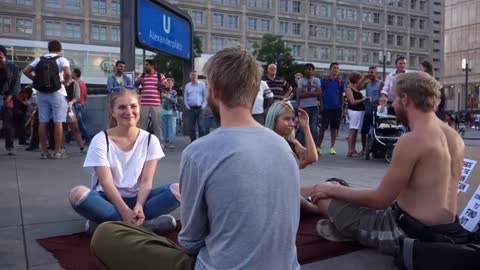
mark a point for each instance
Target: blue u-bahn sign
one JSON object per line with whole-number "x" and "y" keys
{"x": 162, "y": 28}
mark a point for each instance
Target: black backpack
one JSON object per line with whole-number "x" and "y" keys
{"x": 47, "y": 78}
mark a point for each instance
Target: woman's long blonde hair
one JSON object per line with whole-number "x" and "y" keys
{"x": 113, "y": 98}
{"x": 278, "y": 108}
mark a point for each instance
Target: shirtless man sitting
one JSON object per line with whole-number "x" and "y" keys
{"x": 421, "y": 182}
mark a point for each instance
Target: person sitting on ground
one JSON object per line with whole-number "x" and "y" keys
{"x": 239, "y": 211}
{"x": 122, "y": 161}
{"x": 281, "y": 119}
{"x": 416, "y": 190}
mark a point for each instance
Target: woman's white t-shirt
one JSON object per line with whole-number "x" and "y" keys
{"x": 127, "y": 166}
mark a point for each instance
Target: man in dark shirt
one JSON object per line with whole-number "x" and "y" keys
{"x": 9, "y": 87}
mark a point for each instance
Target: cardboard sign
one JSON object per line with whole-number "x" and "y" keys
{"x": 469, "y": 190}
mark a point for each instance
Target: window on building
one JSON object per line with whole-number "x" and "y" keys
{"x": 340, "y": 13}
{"x": 5, "y": 24}
{"x": 436, "y": 50}
{"x": 400, "y": 3}
{"x": 53, "y": 28}
{"x": 437, "y": 13}
{"x": 266, "y": 25}
{"x": 197, "y": 17}
{"x": 24, "y": 26}
{"x": 375, "y": 56}
{"x": 423, "y": 5}
{"x": 266, "y": 4}
{"x": 413, "y": 4}
{"x": 324, "y": 53}
{"x": 399, "y": 40}
{"x": 367, "y": 37}
{"x": 313, "y": 30}
{"x": 351, "y": 35}
{"x": 324, "y": 32}
{"x": 400, "y": 21}
{"x": 376, "y": 17}
{"x": 413, "y": 23}
{"x": 413, "y": 61}
{"x": 53, "y": 3}
{"x": 325, "y": 10}
{"x": 314, "y": 52}
{"x": 232, "y": 22}
{"x": 297, "y": 29}
{"x": 24, "y": 2}
{"x": 314, "y": 10}
{"x": 99, "y": 32}
{"x": 376, "y": 37}
{"x": 99, "y": 7}
{"x": 115, "y": 7}
{"x": 72, "y": 5}
{"x": 436, "y": 22}
{"x": 391, "y": 20}
{"x": 421, "y": 24}
{"x": 217, "y": 43}
{"x": 217, "y": 20}
{"x": 346, "y": 54}
{"x": 351, "y": 14}
{"x": 252, "y": 24}
{"x": 283, "y": 28}
{"x": 390, "y": 38}
{"x": 366, "y": 57}
{"x": 421, "y": 43}
{"x": 367, "y": 17}
{"x": 340, "y": 34}
{"x": 413, "y": 42}
{"x": 296, "y": 50}
{"x": 73, "y": 30}
{"x": 115, "y": 34}
{"x": 297, "y": 6}
{"x": 283, "y": 6}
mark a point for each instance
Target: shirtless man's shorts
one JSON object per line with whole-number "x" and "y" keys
{"x": 421, "y": 182}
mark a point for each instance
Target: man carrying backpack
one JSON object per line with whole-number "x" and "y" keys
{"x": 50, "y": 74}
{"x": 331, "y": 104}
{"x": 9, "y": 87}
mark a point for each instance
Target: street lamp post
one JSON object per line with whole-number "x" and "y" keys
{"x": 466, "y": 67}
{"x": 384, "y": 57}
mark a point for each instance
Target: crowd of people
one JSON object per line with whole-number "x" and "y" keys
{"x": 235, "y": 202}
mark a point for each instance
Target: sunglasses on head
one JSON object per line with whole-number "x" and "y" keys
{"x": 117, "y": 89}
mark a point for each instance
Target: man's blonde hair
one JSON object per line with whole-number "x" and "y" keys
{"x": 236, "y": 74}
{"x": 422, "y": 88}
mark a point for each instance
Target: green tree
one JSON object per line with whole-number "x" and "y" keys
{"x": 170, "y": 66}
{"x": 273, "y": 50}
{"x": 197, "y": 46}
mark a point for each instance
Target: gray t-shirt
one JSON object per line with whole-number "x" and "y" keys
{"x": 240, "y": 200}
{"x": 311, "y": 85}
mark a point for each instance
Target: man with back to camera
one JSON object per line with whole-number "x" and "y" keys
{"x": 417, "y": 189}
{"x": 51, "y": 96}
{"x": 231, "y": 219}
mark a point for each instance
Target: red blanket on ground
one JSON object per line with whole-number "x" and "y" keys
{"x": 73, "y": 252}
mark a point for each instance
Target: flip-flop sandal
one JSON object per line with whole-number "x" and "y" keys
{"x": 340, "y": 181}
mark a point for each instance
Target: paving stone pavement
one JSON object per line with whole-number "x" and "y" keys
{"x": 33, "y": 200}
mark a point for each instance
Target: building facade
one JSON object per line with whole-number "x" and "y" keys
{"x": 355, "y": 33}
{"x": 462, "y": 41}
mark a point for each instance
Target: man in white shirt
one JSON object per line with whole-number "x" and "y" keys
{"x": 263, "y": 101}
{"x": 401, "y": 65}
{"x": 52, "y": 103}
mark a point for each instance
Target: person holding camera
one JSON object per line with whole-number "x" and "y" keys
{"x": 356, "y": 111}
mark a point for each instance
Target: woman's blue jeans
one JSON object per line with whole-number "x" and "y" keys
{"x": 97, "y": 208}
{"x": 169, "y": 127}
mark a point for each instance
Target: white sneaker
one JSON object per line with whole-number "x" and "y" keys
{"x": 163, "y": 223}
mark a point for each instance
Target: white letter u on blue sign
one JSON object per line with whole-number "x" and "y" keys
{"x": 166, "y": 24}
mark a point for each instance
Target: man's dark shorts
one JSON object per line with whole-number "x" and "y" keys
{"x": 331, "y": 118}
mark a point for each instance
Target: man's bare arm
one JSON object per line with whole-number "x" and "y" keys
{"x": 395, "y": 180}
{"x": 28, "y": 71}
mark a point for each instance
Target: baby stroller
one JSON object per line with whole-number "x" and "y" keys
{"x": 383, "y": 136}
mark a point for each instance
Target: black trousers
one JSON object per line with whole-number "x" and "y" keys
{"x": 8, "y": 117}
